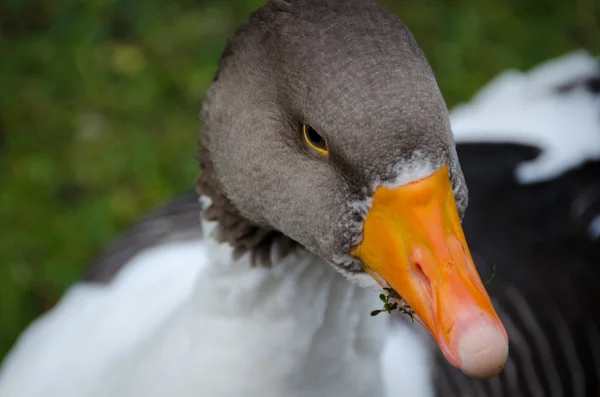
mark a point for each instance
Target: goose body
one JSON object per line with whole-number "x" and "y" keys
{"x": 529, "y": 148}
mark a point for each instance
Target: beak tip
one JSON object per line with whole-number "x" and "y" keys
{"x": 483, "y": 350}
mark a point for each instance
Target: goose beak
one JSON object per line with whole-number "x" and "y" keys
{"x": 414, "y": 243}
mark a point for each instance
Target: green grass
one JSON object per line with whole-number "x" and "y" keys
{"x": 100, "y": 101}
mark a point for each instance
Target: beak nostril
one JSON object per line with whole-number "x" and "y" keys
{"x": 424, "y": 279}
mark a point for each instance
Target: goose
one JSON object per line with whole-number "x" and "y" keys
{"x": 567, "y": 216}
{"x": 328, "y": 176}
{"x": 529, "y": 145}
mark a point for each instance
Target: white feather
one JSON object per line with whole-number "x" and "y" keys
{"x": 527, "y": 108}
{"x": 65, "y": 351}
{"x": 407, "y": 361}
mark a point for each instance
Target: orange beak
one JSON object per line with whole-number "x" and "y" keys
{"x": 414, "y": 243}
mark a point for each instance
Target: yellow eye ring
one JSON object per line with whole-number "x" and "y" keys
{"x": 314, "y": 140}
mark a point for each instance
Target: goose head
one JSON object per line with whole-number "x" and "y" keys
{"x": 325, "y": 130}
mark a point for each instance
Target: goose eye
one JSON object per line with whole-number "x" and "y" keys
{"x": 314, "y": 140}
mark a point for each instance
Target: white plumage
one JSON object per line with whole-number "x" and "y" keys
{"x": 529, "y": 108}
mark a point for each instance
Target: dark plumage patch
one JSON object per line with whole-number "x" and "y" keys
{"x": 593, "y": 84}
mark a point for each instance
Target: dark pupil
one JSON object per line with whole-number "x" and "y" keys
{"x": 315, "y": 138}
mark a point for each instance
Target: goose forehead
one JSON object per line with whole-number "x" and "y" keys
{"x": 329, "y": 36}
{"x": 333, "y": 16}
{"x": 352, "y": 63}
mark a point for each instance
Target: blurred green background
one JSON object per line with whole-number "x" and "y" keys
{"x": 99, "y": 111}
